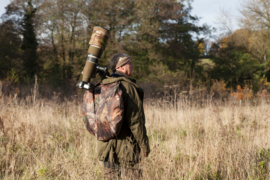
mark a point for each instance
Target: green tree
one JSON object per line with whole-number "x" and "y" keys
{"x": 234, "y": 63}
{"x": 29, "y": 43}
{"x": 164, "y": 34}
{"x": 20, "y": 14}
{"x": 9, "y": 49}
{"x": 117, "y": 16}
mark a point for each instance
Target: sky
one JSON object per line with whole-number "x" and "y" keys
{"x": 3, "y": 4}
{"x": 207, "y": 10}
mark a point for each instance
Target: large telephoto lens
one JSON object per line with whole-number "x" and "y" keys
{"x": 97, "y": 44}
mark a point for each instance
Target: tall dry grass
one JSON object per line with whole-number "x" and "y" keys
{"x": 47, "y": 140}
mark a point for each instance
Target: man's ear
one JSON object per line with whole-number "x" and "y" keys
{"x": 120, "y": 69}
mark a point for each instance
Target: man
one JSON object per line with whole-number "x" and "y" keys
{"x": 121, "y": 155}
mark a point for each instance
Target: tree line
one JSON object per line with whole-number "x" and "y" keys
{"x": 49, "y": 38}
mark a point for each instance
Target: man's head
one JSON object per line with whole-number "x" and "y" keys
{"x": 122, "y": 62}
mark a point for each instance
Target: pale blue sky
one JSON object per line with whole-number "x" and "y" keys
{"x": 3, "y": 4}
{"x": 208, "y": 10}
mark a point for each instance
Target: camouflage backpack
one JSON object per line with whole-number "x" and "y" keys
{"x": 103, "y": 111}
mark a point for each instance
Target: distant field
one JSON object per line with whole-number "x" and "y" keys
{"x": 48, "y": 140}
{"x": 207, "y": 63}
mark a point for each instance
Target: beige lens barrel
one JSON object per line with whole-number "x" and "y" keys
{"x": 100, "y": 37}
{"x": 95, "y": 51}
{"x": 89, "y": 69}
{"x": 98, "y": 44}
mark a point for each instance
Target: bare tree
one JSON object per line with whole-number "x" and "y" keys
{"x": 63, "y": 25}
{"x": 256, "y": 17}
{"x": 225, "y": 22}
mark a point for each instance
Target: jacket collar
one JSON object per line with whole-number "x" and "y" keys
{"x": 117, "y": 74}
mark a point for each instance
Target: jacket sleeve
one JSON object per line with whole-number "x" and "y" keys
{"x": 136, "y": 119}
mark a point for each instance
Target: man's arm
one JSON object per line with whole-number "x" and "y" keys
{"x": 136, "y": 120}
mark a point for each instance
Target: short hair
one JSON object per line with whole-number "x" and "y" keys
{"x": 114, "y": 60}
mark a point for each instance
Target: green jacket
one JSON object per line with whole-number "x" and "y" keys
{"x": 125, "y": 149}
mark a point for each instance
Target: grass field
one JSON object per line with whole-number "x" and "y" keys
{"x": 207, "y": 63}
{"x": 47, "y": 140}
